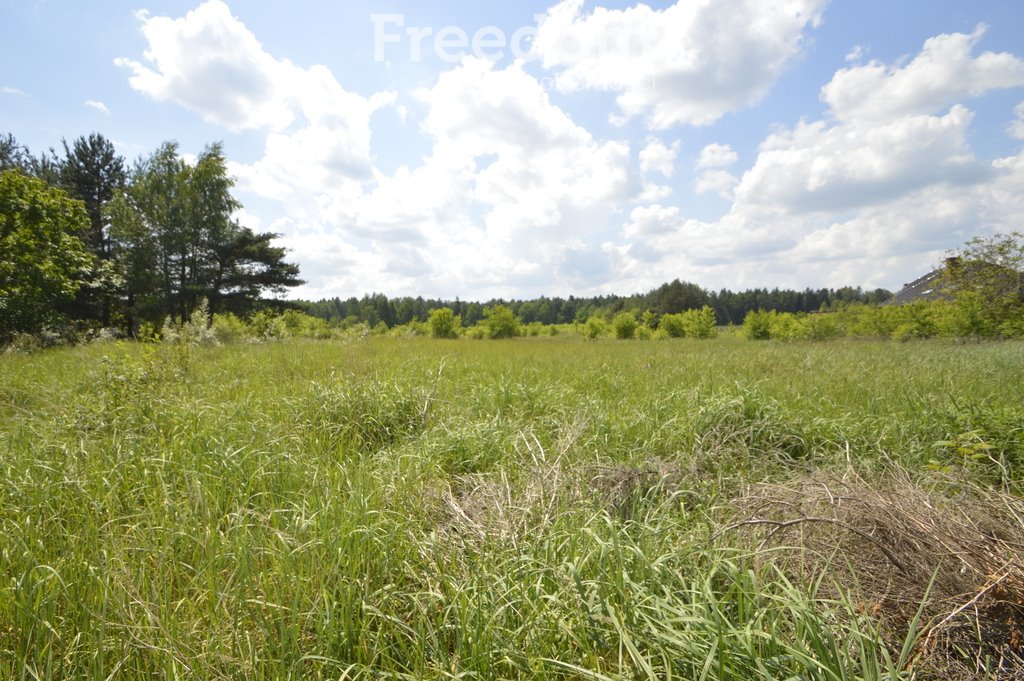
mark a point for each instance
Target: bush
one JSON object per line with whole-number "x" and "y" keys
{"x": 501, "y": 322}
{"x": 196, "y": 331}
{"x": 266, "y": 325}
{"x": 624, "y": 325}
{"x": 673, "y": 325}
{"x": 757, "y": 325}
{"x": 700, "y": 323}
{"x": 444, "y": 323}
{"x": 301, "y": 325}
{"x": 227, "y": 328}
{"x": 478, "y": 332}
{"x": 595, "y": 328}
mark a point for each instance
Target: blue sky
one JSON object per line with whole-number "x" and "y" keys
{"x": 582, "y": 148}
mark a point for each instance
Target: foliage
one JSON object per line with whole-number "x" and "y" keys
{"x": 987, "y": 277}
{"x": 624, "y": 325}
{"x": 93, "y": 172}
{"x": 729, "y": 307}
{"x": 691, "y": 324}
{"x": 595, "y": 327}
{"x": 501, "y": 322}
{"x": 41, "y": 258}
{"x": 757, "y": 325}
{"x": 444, "y": 323}
{"x": 178, "y": 243}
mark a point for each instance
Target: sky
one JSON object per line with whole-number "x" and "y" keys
{"x": 513, "y": 150}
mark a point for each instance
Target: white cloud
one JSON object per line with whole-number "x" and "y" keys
{"x": 821, "y": 167}
{"x": 98, "y": 106}
{"x": 1016, "y": 128}
{"x": 717, "y": 156}
{"x": 690, "y": 63}
{"x": 511, "y": 187}
{"x": 8, "y": 90}
{"x": 647, "y": 221}
{"x": 719, "y": 182}
{"x": 503, "y": 151}
{"x": 318, "y": 134}
{"x": 855, "y": 54}
{"x": 656, "y": 156}
{"x": 653, "y": 193}
{"x": 944, "y": 72}
{"x": 210, "y": 63}
{"x": 874, "y": 189}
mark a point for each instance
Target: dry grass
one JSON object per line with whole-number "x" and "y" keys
{"x": 896, "y": 544}
{"x": 495, "y": 506}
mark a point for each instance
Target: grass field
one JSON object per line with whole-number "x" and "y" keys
{"x": 536, "y": 508}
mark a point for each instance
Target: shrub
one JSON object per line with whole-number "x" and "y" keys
{"x": 673, "y": 325}
{"x": 501, "y": 322}
{"x": 700, "y": 323}
{"x": 266, "y": 325}
{"x": 227, "y": 328}
{"x": 624, "y": 325}
{"x": 196, "y": 331}
{"x": 757, "y": 325}
{"x": 787, "y": 327}
{"x": 595, "y": 328}
{"x": 301, "y": 325}
{"x": 823, "y": 327}
{"x": 444, "y": 323}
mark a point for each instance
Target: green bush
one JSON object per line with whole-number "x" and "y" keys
{"x": 501, "y": 322}
{"x": 301, "y": 325}
{"x": 228, "y": 328}
{"x": 757, "y": 325}
{"x": 595, "y": 328}
{"x": 700, "y": 323}
{"x": 444, "y": 323}
{"x": 674, "y": 325}
{"x": 624, "y": 325}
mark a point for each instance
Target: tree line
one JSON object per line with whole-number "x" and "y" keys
{"x": 671, "y": 298}
{"x": 88, "y": 241}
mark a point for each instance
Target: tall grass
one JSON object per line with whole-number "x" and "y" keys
{"x": 396, "y": 508}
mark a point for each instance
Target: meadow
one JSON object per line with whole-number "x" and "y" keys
{"x": 541, "y": 507}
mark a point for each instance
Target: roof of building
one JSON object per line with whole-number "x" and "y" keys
{"x": 938, "y": 285}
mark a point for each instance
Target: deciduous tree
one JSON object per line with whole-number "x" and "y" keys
{"x": 41, "y": 258}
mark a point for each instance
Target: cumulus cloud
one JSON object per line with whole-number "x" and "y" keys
{"x": 98, "y": 106}
{"x": 210, "y": 63}
{"x": 821, "y": 167}
{"x": 885, "y": 183}
{"x": 659, "y": 157}
{"x": 318, "y": 133}
{"x": 504, "y": 151}
{"x": 511, "y": 187}
{"x": 690, "y": 63}
{"x": 717, "y": 156}
{"x": 1016, "y": 128}
{"x": 943, "y": 73}
{"x": 720, "y": 182}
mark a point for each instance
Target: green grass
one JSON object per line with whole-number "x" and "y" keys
{"x": 393, "y": 508}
